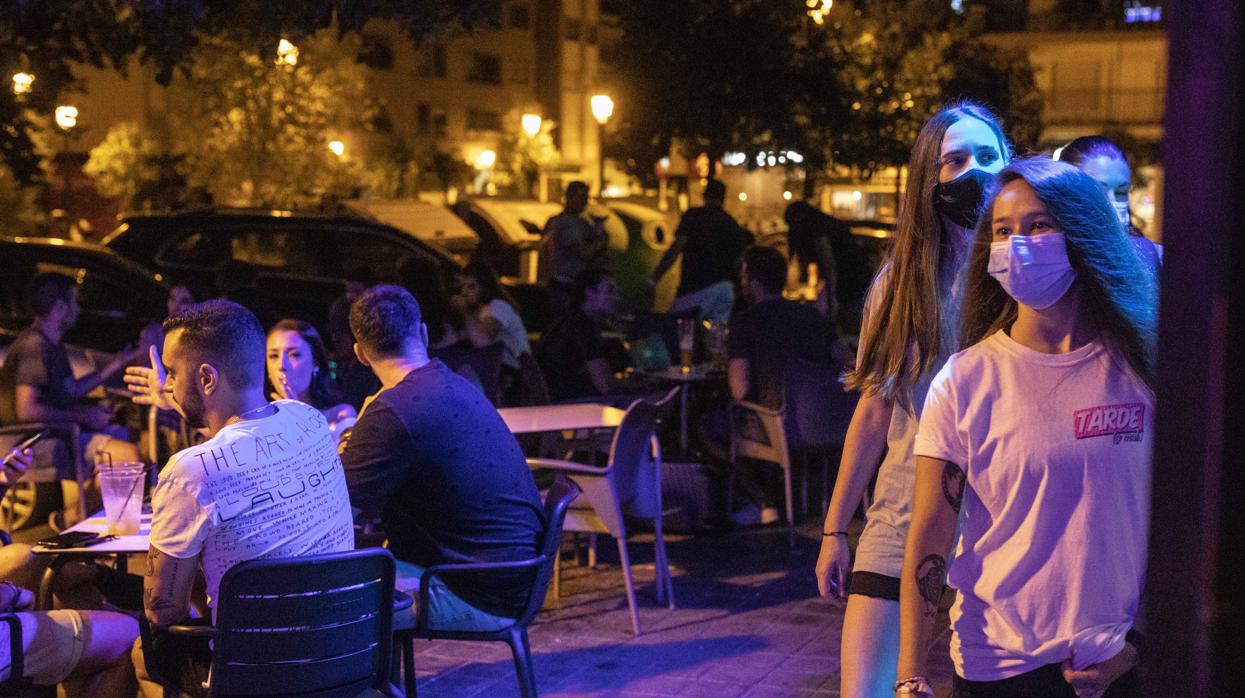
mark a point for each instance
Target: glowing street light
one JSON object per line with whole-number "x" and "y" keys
{"x": 486, "y": 159}
{"x": 287, "y": 53}
{"x": 22, "y": 83}
{"x": 338, "y": 148}
{"x": 602, "y": 110}
{"x": 66, "y": 117}
{"x": 818, "y": 9}
{"x": 531, "y": 124}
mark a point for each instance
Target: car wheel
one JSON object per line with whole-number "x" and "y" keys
{"x": 28, "y": 503}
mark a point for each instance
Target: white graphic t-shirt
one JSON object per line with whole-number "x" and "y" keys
{"x": 1056, "y": 450}
{"x": 270, "y": 487}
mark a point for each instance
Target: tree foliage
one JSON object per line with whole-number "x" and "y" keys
{"x": 715, "y": 75}
{"x": 48, "y": 38}
{"x": 854, "y": 91}
{"x": 125, "y": 161}
{"x": 256, "y": 130}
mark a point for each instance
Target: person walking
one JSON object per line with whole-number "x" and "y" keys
{"x": 1038, "y": 436}
{"x": 710, "y": 243}
{"x": 908, "y": 331}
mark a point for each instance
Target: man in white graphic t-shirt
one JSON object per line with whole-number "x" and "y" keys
{"x": 268, "y": 483}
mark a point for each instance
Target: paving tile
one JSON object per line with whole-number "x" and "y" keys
{"x": 749, "y": 622}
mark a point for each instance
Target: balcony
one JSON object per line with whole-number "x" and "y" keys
{"x": 1126, "y": 107}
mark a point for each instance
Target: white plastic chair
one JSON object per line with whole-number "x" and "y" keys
{"x": 630, "y": 483}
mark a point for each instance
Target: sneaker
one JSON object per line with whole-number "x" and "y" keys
{"x": 747, "y": 515}
{"x": 768, "y": 515}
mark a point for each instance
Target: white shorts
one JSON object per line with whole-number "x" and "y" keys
{"x": 53, "y": 643}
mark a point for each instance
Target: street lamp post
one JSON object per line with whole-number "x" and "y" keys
{"x": 602, "y": 110}
{"x": 66, "y": 120}
{"x": 532, "y": 123}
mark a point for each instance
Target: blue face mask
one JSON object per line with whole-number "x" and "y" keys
{"x": 1033, "y": 269}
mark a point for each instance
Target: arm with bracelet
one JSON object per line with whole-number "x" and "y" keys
{"x": 937, "y": 496}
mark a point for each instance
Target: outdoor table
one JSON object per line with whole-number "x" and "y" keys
{"x": 121, "y": 547}
{"x": 567, "y": 417}
{"x": 700, "y": 373}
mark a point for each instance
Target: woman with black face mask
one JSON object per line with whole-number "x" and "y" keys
{"x": 907, "y": 332}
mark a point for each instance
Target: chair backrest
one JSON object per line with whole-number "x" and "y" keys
{"x": 309, "y": 625}
{"x": 534, "y": 388}
{"x": 632, "y": 447}
{"x": 484, "y": 361}
{"x": 557, "y": 500}
{"x": 818, "y": 408}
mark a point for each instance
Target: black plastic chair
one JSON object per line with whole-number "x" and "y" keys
{"x": 819, "y": 410}
{"x": 13, "y": 684}
{"x": 485, "y": 362}
{"x": 557, "y": 501}
{"x": 308, "y": 626}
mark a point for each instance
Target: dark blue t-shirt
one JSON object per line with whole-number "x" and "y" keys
{"x": 434, "y": 457}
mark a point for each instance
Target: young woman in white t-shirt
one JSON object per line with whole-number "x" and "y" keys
{"x": 908, "y": 330}
{"x": 491, "y": 314}
{"x": 1041, "y": 432}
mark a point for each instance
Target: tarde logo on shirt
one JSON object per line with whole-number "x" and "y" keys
{"x": 1125, "y": 421}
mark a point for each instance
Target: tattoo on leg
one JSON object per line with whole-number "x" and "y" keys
{"x": 929, "y": 579}
{"x": 953, "y": 485}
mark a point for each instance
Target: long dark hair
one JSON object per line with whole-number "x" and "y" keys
{"x": 323, "y": 393}
{"x": 1118, "y": 290}
{"x": 915, "y": 322}
{"x": 490, "y": 285}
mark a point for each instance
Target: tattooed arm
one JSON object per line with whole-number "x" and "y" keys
{"x": 937, "y": 496}
{"x": 167, "y": 583}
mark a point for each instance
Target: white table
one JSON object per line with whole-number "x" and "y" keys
{"x": 569, "y": 417}
{"x": 121, "y": 547}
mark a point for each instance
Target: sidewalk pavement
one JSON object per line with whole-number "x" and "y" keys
{"x": 748, "y": 622}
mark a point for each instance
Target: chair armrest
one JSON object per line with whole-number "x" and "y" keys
{"x": 566, "y": 466}
{"x": 16, "y": 670}
{"x": 759, "y": 409}
{"x": 425, "y": 579}
{"x": 190, "y": 630}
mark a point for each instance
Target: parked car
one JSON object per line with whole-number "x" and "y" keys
{"x": 300, "y": 260}
{"x": 117, "y": 298}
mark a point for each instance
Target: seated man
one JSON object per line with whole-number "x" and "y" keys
{"x": 772, "y": 331}
{"x": 431, "y": 455}
{"x": 571, "y": 352}
{"x": 38, "y": 385}
{"x": 85, "y": 650}
{"x": 267, "y": 483}
{"x": 764, "y": 339}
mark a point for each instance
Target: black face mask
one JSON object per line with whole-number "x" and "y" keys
{"x": 960, "y": 199}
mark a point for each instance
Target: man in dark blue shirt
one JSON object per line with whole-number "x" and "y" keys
{"x": 433, "y": 457}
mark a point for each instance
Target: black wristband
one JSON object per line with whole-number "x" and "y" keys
{"x": 834, "y": 533}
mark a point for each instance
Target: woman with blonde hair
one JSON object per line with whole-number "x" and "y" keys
{"x": 908, "y": 330}
{"x": 1038, "y": 437}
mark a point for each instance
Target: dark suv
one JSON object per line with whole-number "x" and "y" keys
{"x": 117, "y": 297}
{"x": 300, "y": 259}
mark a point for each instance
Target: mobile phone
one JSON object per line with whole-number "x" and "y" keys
{"x": 74, "y": 539}
{"x": 32, "y": 440}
